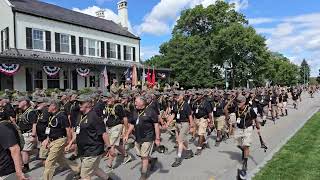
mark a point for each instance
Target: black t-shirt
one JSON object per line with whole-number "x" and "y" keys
{"x": 74, "y": 113}
{"x": 295, "y": 96}
{"x": 26, "y": 120}
{"x": 246, "y": 117}
{"x": 98, "y": 108}
{"x": 89, "y": 139}
{"x": 218, "y": 108}
{"x": 42, "y": 124}
{"x": 273, "y": 99}
{"x": 113, "y": 115}
{"x": 264, "y": 100}
{"x": 7, "y": 140}
{"x": 58, "y": 123}
{"x": 156, "y": 106}
{"x": 202, "y": 109}
{"x": 6, "y": 112}
{"x": 183, "y": 110}
{"x": 143, "y": 121}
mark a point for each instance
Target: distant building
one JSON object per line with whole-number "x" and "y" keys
{"x": 52, "y": 46}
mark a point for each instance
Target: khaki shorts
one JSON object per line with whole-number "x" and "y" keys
{"x": 202, "y": 125}
{"x": 28, "y": 145}
{"x": 144, "y": 149}
{"x": 243, "y": 136}
{"x": 182, "y": 131}
{"x": 233, "y": 118}
{"x": 12, "y": 176}
{"x": 115, "y": 134}
{"x": 43, "y": 152}
{"x": 265, "y": 110}
{"x": 219, "y": 122}
{"x": 89, "y": 165}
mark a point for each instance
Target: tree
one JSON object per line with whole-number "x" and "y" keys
{"x": 304, "y": 72}
{"x": 204, "y": 39}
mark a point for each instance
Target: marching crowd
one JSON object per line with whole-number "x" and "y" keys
{"x": 101, "y": 124}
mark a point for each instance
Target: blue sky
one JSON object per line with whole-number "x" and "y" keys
{"x": 291, "y": 27}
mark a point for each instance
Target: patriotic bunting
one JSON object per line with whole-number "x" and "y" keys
{"x": 51, "y": 71}
{"x": 84, "y": 72}
{"x": 9, "y": 69}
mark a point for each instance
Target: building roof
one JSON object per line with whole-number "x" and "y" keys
{"x": 20, "y": 56}
{"x": 53, "y": 12}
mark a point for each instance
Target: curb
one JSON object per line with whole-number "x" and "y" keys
{"x": 277, "y": 148}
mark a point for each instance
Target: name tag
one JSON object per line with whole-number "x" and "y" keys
{"x": 137, "y": 122}
{"x": 238, "y": 120}
{"x": 197, "y": 110}
{"x": 104, "y": 112}
{"x": 105, "y": 120}
{"x": 214, "y": 109}
{"x": 47, "y": 131}
{"x": 78, "y": 130}
{"x": 178, "y": 116}
{"x": 250, "y": 102}
{"x": 255, "y": 110}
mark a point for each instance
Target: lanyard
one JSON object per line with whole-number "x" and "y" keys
{"x": 181, "y": 106}
{"x": 51, "y": 119}
{"x": 242, "y": 111}
{"x": 84, "y": 117}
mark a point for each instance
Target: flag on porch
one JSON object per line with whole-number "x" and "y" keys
{"x": 105, "y": 76}
{"x": 153, "y": 81}
{"x": 149, "y": 77}
{"x": 134, "y": 75}
{"x": 127, "y": 74}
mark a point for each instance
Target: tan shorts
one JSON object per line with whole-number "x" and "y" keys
{"x": 202, "y": 125}
{"x": 219, "y": 122}
{"x": 43, "y": 152}
{"x": 233, "y": 118}
{"x": 182, "y": 131}
{"x": 266, "y": 110}
{"x": 89, "y": 165}
{"x": 12, "y": 176}
{"x": 28, "y": 145}
{"x": 115, "y": 134}
{"x": 243, "y": 136}
{"x": 144, "y": 149}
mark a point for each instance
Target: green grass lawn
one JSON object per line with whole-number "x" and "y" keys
{"x": 299, "y": 159}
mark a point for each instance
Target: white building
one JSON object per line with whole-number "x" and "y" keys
{"x": 35, "y": 34}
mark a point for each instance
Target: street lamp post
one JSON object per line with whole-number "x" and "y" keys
{"x": 226, "y": 68}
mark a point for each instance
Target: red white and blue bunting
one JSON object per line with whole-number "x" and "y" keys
{"x": 9, "y": 69}
{"x": 84, "y": 72}
{"x": 51, "y": 71}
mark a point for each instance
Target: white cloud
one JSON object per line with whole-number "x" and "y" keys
{"x": 296, "y": 36}
{"x": 240, "y": 4}
{"x": 163, "y": 16}
{"x": 109, "y": 14}
{"x": 148, "y": 51}
{"x": 256, "y": 21}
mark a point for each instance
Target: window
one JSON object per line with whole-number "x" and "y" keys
{"x": 92, "y": 81}
{"x": 37, "y": 37}
{"x": 85, "y": 47}
{"x": 38, "y": 79}
{"x": 113, "y": 50}
{"x": 64, "y": 43}
{"x": 128, "y": 53}
{"x": 65, "y": 80}
{"x": 92, "y": 47}
{"x": 98, "y": 48}
{"x": 53, "y": 82}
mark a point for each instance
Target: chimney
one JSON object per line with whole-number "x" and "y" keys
{"x": 123, "y": 13}
{"x": 100, "y": 14}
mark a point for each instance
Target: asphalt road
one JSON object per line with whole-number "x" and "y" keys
{"x": 216, "y": 163}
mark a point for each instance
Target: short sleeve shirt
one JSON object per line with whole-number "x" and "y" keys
{"x": 58, "y": 123}
{"x": 143, "y": 121}
{"x": 89, "y": 139}
{"x": 183, "y": 110}
{"x": 6, "y": 112}
{"x": 6, "y": 161}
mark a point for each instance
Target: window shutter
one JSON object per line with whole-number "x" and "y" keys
{"x": 7, "y": 36}
{"x": 134, "y": 53}
{"x": 29, "y": 38}
{"x": 48, "y": 41}
{"x": 81, "y": 45}
{"x": 102, "y": 48}
{"x": 73, "y": 44}
{"x": 108, "y": 50}
{"x": 2, "y": 41}
{"x": 119, "y": 51}
{"x": 124, "y": 52}
{"x": 57, "y": 39}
